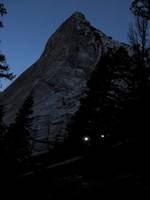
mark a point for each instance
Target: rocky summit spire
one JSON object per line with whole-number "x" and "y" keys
{"x": 58, "y": 79}
{"x": 78, "y": 15}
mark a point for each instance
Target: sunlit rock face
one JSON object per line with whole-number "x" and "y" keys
{"x": 58, "y": 79}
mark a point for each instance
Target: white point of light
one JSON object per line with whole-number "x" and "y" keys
{"x": 86, "y": 138}
{"x": 102, "y": 136}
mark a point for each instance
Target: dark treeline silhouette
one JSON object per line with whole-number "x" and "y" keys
{"x": 104, "y": 117}
{"x": 141, "y": 10}
{"x": 16, "y": 140}
{"x": 112, "y": 122}
{"x": 4, "y": 68}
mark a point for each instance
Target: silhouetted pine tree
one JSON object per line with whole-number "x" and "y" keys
{"x": 18, "y": 136}
{"x": 141, "y": 8}
{"x": 4, "y": 68}
{"x": 2, "y": 125}
{"x": 105, "y": 118}
{"x": 101, "y": 113}
{"x": 3, "y": 11}
{"x": 2, "y": 133}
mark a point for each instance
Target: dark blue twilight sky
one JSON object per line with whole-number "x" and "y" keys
{"x": 29, "y": 23}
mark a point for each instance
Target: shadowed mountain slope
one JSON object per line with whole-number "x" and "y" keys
{"x": 58, "y": 79}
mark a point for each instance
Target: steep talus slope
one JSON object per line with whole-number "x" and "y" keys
{"x": 58, "y": 79}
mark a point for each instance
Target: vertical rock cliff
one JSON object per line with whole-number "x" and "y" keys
{"x": 58, "y": 79}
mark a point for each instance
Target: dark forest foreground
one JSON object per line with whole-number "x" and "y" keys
{"x": 115, "y": 173}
